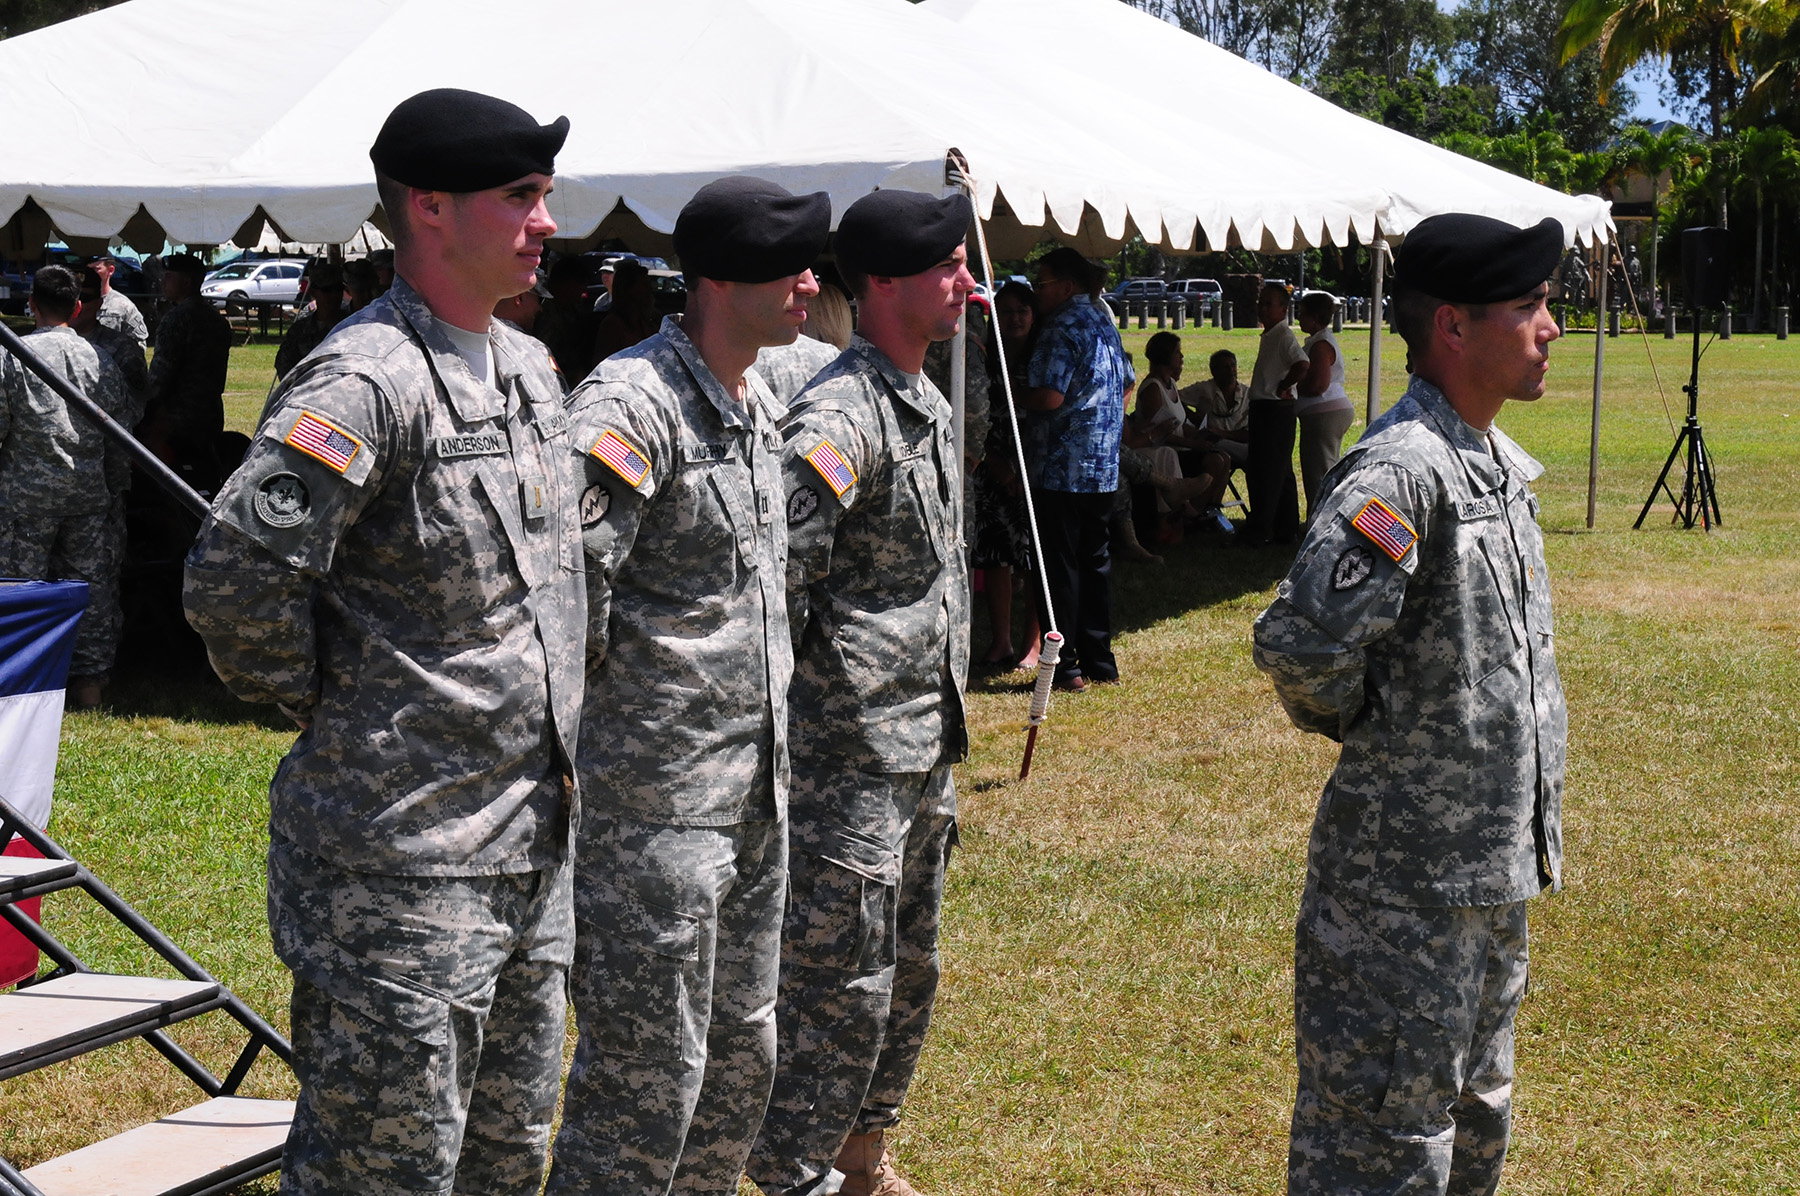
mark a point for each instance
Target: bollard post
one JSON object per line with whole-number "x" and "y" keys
{"x": 1215, "y": 312}
{"x": 1725, "y": 324}
{"x": 1612, "y": 323}
{"x": 1669, "y": 322}
{"x": 1162, "y": 312}
{"x": 1781, "y": 323}
{"x": 1143, "y": 313}
{"x": 1124, "y": 315}
{"x": 1225, "y": 316}
{"x": 1180, "y": 314}
{"x": 1337, "y": 318}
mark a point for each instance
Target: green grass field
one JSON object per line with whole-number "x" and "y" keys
{"x": 1115, "y": 1015}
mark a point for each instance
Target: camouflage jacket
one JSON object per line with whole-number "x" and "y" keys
{"x": 187, "y": 372}
{"x": 397, "y": 559}
{"x": 52, "y": 460}
{"x": 1415, "y": 629}
{"x": 303, "y": 336}
{"x": 688, "y": 654}
{"x": 126, "y": 356}
{"x": 122, "y": 315}
{"x": 788, "y": 368}
{"x": 978, "y": 414}
{"x": 878, "y": 591}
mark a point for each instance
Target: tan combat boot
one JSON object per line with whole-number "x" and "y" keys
{"x": 868, "y": 1169}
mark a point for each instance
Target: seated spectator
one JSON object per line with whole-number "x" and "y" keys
{"x": 1221, "y": 408}
{"x": 1158, "y": 427}
{"x": 1323, "y": 404}
{"x": 632, "y": 317}
{"x": 828, "y": 317}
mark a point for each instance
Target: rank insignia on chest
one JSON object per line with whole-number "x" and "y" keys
{"x": 1392, "y": 534}
{"x": 832, "y": 467}
{"x": 325, "y": 441}
{"x": 617, "y": 453}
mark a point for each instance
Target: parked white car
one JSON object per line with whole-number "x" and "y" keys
{"x": 237, "y": 285}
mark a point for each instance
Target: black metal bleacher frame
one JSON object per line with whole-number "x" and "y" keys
{"x": 262, "y": 1036}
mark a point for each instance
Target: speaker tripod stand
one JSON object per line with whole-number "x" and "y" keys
{"x": 1698, "y": 500}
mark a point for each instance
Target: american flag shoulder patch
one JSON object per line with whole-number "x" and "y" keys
{"x": 621, "y": 456}
{"x": 324, "y": 441}
{"x": 832, "y": 467}
{"x": 1392, "y": 534}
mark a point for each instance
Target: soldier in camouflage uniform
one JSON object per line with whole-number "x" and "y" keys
{"x": 1415, "y": 629}
{"x": 116, "y": 311}
{"x": 186, "y": 411}
{"x": 682, "y": 861}
{"x": 118, "y": 350}
{"x": 54, "y": 499}
{"x": 878, "y": 594}
{"x": 326, "y": 287}
{"x": 397, "y": 564}
{"x": 786, "y": 369}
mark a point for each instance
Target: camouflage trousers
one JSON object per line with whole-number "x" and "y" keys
{"x": 859, "y": 962}
{"x": 71, "y": 548}
{"x": 428, "y": 1017}
{"x": 677, "y": 954}
{"x": 1403, "y": 1023}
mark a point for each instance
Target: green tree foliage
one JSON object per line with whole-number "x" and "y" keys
{"x": 1417, "y": 104}
{"x": 1504, "y": 49}
{"x": 1712, "y": 32}
{"x": 1672, "y": 152}
{"x": 22, "y": 16}
{"x": 1539, "y": 154}
{"x": 1390, "y": 40}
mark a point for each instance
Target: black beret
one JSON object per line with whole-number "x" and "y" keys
{"x": 184, "y": 263}
{"x": 744, "y": 229}
{"x": 897, "y": 233}
{"x": 453, "y": 140}
{"x": 1460, "y": 257}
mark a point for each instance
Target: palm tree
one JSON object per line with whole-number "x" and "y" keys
{"x": 1766, "y": 159}
{"x": 1671, "y": 152}
{"x": 1628, "y": 31}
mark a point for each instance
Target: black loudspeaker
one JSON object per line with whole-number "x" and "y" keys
{"x": 1705, "y": 267}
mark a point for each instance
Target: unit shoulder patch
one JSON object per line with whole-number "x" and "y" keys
{"x": 282, "y": 500}
{"x": 1352, "y": 568}
{"x": 802, "y": 505}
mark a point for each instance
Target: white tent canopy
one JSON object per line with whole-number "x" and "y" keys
{"x": 836, "y": 95}
{"x": 1182, "y": 86}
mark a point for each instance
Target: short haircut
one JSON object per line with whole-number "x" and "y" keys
{"x": 1279, "y": 289}
{"x": 90, "y": 280}
{"x": 855, "y": 281}
{"x": 1415, "y": 313}
{"x": 1222, "y": 355}
{"x": 1318, "y": 305}
{"x": 1068, "y": 265}
{"x": 56, "y": 291}
{"x": 1161, "y": 347}
{"x": 394, "y": 196}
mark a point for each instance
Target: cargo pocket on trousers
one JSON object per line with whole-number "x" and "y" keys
{"x": 376, "y": 1060}
{"x": 635, "y": 975}
{"x": 1414, "y": 1027}
{"x": 843, "y": 899}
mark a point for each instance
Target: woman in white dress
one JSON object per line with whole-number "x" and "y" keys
{"x": 1322, "y": 403}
